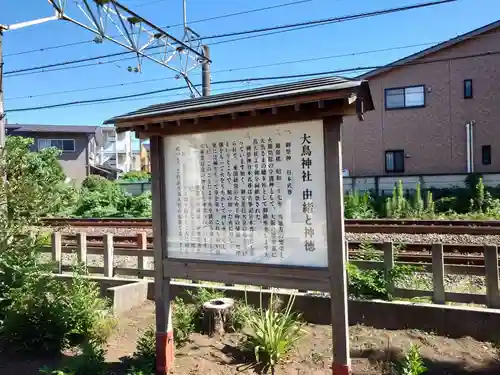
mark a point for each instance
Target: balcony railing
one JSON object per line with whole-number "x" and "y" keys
{"x": 110, "y": 149}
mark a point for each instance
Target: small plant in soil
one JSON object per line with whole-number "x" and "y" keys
{"x": 367, "y": 252}
{"x": 143, "y": 360}
{"x": 272, "y": 333}
{"x": 373, "y": 283}
{"x": 203, "y": 295}
{"x": 146, "y": 345}
{"x": 239, "y": 315}
{"x": 412, "y": 364}
{"x": 184, "y": 318}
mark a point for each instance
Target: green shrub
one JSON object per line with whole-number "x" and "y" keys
{"x": 37, "y": 312}
{"x": 143, "y": 361}
{"x": 45, "y": 315}
{"x": 139, "y": 206}
{"x": 446, "y": 204}
{"x": 398, "y": 206}
{"x": 134, "y": 176}
{"x": 239, "y": 315}
{"x": 358, "y": 206}
{"x": 366, "y": 251}
{"x": 412, "y": 364}
{"x": 146, "y": 345}
{"x": 272, "y": 332}
{"x": 202, "y": 295}
{"x": 184, "y": 317}
{"x": 374, "y": 283}
{"x": 100, "y": 197}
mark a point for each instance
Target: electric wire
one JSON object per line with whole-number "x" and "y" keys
{"x": 43, "y": 49}
{"x": 295, "y": 26}
{"x": 268, "y": 78}
{"x": 222, "y": 70}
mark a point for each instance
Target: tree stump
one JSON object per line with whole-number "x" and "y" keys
{"x": 217, "y": 316}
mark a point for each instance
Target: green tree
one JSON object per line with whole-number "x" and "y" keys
{"x": 100, "y": 197}
{"x": 36, "y": 181}
{"x": 38, "y": 312}
{"x": 31, "y": 188}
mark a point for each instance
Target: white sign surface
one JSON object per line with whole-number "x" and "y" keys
{"x": 254, "y": 195}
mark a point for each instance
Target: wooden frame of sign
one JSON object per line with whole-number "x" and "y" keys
{"x": 303, "y": 245}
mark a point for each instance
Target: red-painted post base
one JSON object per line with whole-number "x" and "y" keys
{"x": 164, "y": 353}
{"x": 338, "y": 369}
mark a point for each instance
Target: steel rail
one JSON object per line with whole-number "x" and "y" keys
{"x": 475, "y": 227}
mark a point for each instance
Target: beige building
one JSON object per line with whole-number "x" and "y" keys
{"x": 78, "y": 145}
{"x": 439, "y": 113}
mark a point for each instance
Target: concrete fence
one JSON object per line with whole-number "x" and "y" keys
{"x": 135, "y": 188}
{"x": 379, "y": 184}
{"x": 140, "y": 247}
{"x": 384, "y": 184}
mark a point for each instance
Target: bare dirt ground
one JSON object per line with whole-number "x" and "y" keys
{"x": 371, "y": 350}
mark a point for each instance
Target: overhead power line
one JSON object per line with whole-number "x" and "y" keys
{"x": 333, "y": 19}
{"x": 43, "y": 49}
{"x": 179, "y": 93}
{"x": 257, "y": 79}
{"x": 219, "y": 71}
{"x": 63, "y": 63}
{"x": 279, "y": 29}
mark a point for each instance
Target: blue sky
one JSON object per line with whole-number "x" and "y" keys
{"x": 394, "y": 30}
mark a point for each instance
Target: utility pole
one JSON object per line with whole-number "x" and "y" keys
{"x": 205, "y": 70}
{"x": 2, "y": 110}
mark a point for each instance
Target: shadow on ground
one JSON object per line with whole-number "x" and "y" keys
{"x": 434, "y": 367}
{"x": 10, "y": 364}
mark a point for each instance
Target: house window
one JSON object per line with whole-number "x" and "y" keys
{"x": 405, "y": 97}
{"x": 468, "y": 89}
{"x": 65, "y": 145}
{"x": 486, "y": 154}
{"x": 394, "y": 161}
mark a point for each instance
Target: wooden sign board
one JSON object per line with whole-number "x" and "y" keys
{"x": 247, "y": 189}
{"x": 248, "y": 195}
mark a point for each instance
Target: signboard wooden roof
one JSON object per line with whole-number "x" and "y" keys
{"x": 298, "y": 101}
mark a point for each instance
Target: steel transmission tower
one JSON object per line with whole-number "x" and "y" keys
{"x": 112, "y": 21}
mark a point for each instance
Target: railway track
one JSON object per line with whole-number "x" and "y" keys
{"x": 98, "y": 222}
{"x": 474, "y": 227}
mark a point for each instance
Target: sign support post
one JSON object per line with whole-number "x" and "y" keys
{"x": 164, "y": 329}
{"x": 336, "y": 244}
